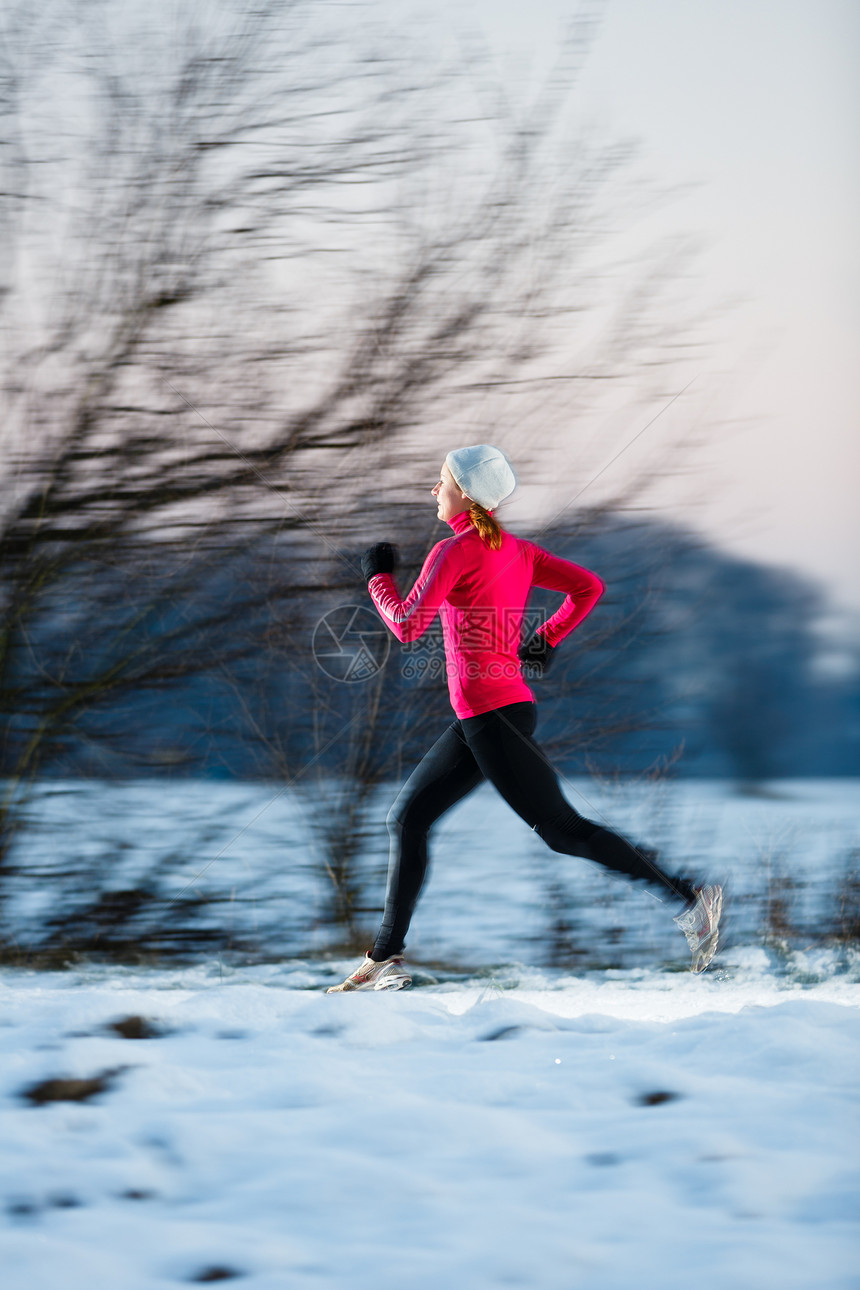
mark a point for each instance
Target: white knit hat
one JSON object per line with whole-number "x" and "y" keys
{"x": 483, "y": 473}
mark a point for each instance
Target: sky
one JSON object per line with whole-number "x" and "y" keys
{"x": 754, "y": 107}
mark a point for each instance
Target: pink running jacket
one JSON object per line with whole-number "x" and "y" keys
{"x": 481, "y": 595}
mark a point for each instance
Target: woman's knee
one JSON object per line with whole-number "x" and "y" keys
{"x": 405, "y": 816}
{"x": 395, "y": 817}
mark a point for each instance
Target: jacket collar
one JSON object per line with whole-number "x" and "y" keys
{"x": 461, "y": 522}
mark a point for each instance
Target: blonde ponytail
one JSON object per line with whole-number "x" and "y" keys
{"x": 488, "y": 528}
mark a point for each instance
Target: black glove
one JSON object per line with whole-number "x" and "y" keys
{"x": 380, "y": 558}
{"x": 537, "y": 654}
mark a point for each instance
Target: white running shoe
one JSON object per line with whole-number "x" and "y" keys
{"x": 390, "y": 974}
{"x": 700, "y": 924}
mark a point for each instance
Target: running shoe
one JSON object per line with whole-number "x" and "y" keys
{"x": 700, "y": 923}
{"x": 390, "y": 974}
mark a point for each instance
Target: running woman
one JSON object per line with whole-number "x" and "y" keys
{"x": 478, "y": 579}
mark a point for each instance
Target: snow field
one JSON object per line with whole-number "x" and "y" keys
{"x": 458, "y": 1134}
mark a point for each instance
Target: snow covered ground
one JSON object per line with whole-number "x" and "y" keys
{"x": 534, "y": 1130}
{"x": 501, "y": 1124}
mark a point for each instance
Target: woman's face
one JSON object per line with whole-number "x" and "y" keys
{"x": 450, "y": 498}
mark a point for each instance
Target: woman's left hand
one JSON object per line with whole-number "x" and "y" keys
{"x": 380, "y": 558}
{"x": 537, "y": 653}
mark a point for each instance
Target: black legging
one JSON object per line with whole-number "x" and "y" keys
{"x": 497, "y": 746}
